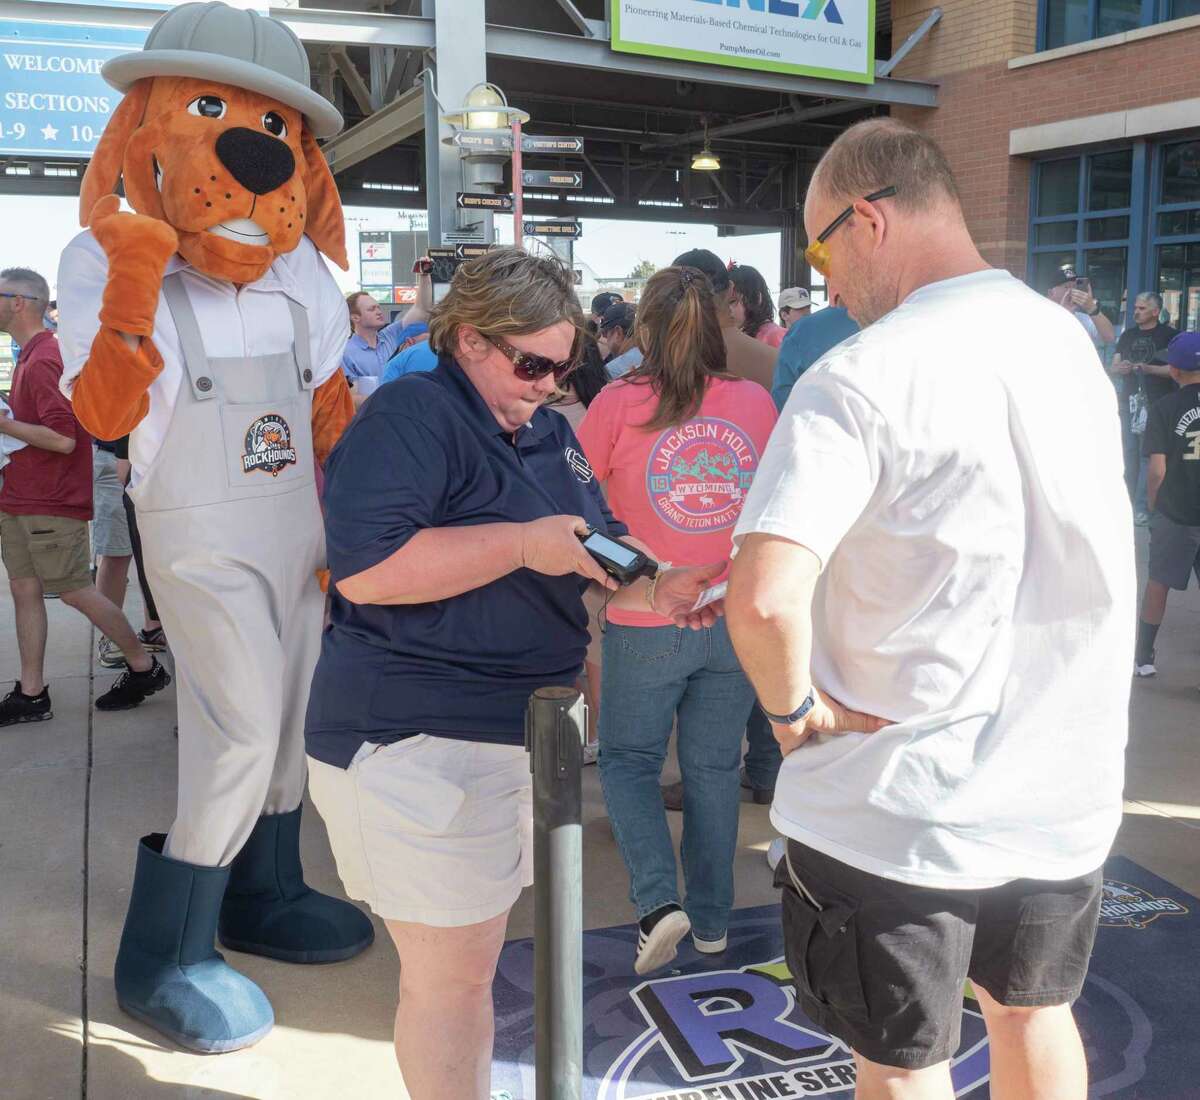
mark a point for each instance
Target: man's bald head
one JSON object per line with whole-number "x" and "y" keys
{"x": 879, "y": 153}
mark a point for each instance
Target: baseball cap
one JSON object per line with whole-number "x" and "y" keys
{"x": 1066, "y": 273}
{"x": 709, "y": 263}
{"x": 1183, "y": 352}
{"x": 620, "y": 315}
{"x": 794, "y": 297}
{"x": 603, "y": 300}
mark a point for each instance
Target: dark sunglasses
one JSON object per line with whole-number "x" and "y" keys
{"x": 529, "y": 367}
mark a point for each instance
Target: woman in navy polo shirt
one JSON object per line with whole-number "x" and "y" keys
{"x": 454, "y": 506}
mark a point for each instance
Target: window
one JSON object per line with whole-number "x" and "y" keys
{"x": 1082, "y": 217}
{"x": 1175, "y": 229}
{"x": 1065, "y": 22}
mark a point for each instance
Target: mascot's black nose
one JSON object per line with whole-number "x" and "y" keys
{"x": 259, "y": 162}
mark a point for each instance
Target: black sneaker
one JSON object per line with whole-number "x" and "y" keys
{"x": 16, "y": 706}
{"x": 133, "y": 688}
{"x": 659, "y": 934}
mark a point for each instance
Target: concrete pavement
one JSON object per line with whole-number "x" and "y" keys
{"x": 76, "y": 793}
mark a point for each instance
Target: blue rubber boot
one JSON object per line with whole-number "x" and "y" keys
{"x": 168, "y": 974}
{"x": 269, "y": 910}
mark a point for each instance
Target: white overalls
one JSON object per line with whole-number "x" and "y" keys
{"x": 232, "y": 535}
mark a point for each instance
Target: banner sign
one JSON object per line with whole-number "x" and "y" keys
{"x": 824, "y": 38}
{"x": 728, "y": 1027}
{"x": 53, "y": 100}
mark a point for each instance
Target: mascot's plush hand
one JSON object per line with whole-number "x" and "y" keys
{"x": 138, "y": 249}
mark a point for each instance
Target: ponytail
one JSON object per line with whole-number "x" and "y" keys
{"x": 681, "y": 342}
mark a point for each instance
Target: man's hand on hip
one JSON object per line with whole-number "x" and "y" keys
{"x": 826, "y": 716}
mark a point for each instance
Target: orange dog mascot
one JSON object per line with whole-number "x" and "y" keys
{"x": 207, "y": 326}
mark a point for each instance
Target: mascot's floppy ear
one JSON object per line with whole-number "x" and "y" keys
{"x": 104, "y": 171}
{"x": 325, "y": 225}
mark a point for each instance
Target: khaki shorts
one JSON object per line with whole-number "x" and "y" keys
{"x": 428, "y": 829}
{"x": 54, "y": 549}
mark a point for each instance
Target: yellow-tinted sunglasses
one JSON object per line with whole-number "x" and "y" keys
{"x": 817, "y": 253}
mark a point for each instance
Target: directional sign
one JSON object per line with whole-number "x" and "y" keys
{"x": 484, "y": 141}
{"x": 484, "y": 200}
{"x": 552, "y": 179}
{"x": 531, "y": 143}
{"x": 572, "y": 230}
{"x": 470, "y": 251}
{"x": 500, "y": 141}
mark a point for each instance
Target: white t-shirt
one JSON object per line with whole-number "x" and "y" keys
{"x": 252, "y": 321}
{"x": 957, "y": 468}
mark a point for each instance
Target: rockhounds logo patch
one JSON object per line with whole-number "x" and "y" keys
{"x": 698, "y": 474}
{"x": 268, "y": 446}
{"x": 1125, "y": 906}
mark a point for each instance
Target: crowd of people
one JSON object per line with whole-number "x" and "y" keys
{"x": 924, "y": 645}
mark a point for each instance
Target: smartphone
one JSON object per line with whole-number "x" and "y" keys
{"x": 622, "y": 562}
{"x": 423, "y": 266}
{"x": 1083, "y": 284}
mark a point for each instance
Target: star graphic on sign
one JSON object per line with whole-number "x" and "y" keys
{"x": 49, "y": 133}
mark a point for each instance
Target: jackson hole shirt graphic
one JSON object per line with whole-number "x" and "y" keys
{"x": 698, "y": 474}
{"x": 268, "y": 446}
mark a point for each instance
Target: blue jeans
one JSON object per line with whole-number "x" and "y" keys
{"x": 651, "y": 677}
{"x": 763, "y": 756}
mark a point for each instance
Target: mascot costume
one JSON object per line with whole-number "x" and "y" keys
{"x": 207, "y": 325}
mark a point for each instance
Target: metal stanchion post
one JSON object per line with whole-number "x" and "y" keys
{"x": 554, "y": 735}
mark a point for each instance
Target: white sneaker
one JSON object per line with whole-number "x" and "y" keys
{"x": 659, "y": 934}
{"x": 710, "y": 947}
{"x": 1144, "y": 671}
{"x": 109, "y": 654}
{"x": 776, "y": 852}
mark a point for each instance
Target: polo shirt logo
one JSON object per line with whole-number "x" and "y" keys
{"x": 579, "y": 465}
{"x": 268, "y": 446}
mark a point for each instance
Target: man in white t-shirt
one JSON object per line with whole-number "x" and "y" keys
{"x": 929, "y": 542}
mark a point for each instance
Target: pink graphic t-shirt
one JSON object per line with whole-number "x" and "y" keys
{"x": 679, "y": 489}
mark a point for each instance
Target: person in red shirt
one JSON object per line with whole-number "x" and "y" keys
{"x": 45, "y": 505}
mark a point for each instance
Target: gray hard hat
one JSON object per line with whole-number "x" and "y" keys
{"x": 216, "y": 42}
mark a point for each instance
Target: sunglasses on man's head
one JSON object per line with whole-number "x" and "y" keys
{"x": 529, "y": 367}
{"x": 817, "y": 253}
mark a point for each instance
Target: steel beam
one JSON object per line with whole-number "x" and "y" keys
{"x": 353, "y": 80}
{"x": 577, "y": 17}
{"x": 758, "y": 122}
{"x": 400, "y": 119}
{"x": 882, "y": 68}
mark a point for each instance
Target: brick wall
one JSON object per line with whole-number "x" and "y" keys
{"x": 981, "y": 100}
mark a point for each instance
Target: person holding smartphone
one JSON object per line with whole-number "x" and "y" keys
{"x": 456, "y": 504}
{"x": 677, "y": 442}
{"x": 1074, "y": 293}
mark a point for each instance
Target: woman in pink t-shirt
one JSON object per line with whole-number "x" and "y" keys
{"x": 752, "y": 307}
{"x": 677, "y": 441}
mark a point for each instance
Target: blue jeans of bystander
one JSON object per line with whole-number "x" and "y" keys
{"x": 653, "y": 676}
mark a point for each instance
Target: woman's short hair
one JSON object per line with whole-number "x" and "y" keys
{"x": 505, "y": 292}
{"x": 882, "y": 152}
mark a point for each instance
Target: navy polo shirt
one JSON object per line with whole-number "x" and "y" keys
{"x": 427, "y": 452}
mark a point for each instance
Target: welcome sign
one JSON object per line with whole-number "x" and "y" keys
{"x": 729, "y": 1028}
{"x": 825, "y": 38}
{"x": 53, "y": 100}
